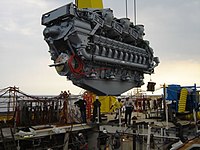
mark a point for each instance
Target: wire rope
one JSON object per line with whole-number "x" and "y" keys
{"x": 135, "y": 11}
{"x": 126, "y": 9}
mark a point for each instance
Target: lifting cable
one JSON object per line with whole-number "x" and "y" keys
{"x": 134, "y": 13}
{"x": 134, "y": 8}
{"x": 126, "y": 8}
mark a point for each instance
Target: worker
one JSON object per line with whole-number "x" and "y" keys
{"x": 96, "y": 110}
{"x": 117, "y": 107}
{"x": 83, "y": 145}
{"x": 116, "y": 141}
{"x": 128, "y": 110}
{"x": 102, "y": 140}
{"x": 81, "y": 103}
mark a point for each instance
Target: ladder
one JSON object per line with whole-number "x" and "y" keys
{"x": 183, "y": 100}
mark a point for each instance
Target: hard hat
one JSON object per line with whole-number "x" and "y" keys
{"x": 97, "y": 97}
{"x": 104, "y": 131}
{"x": 80, "y": 134}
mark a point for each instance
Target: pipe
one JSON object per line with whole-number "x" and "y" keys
{"x": 110, "y": 60}
{"x": 148, "y": 137}
{"x": 126, "y": 57}
{"x": 131, "y": 58}
{"x": 120, "y": 45}
{"x": 121, "y": 55}
{"x": 97, "y": 50}
{"x": 110, "y": 53}
{"x": 103, "y": 52}
{"x": 115, "y": 54}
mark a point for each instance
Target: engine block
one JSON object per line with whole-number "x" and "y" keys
{"x": 97, "y": 51}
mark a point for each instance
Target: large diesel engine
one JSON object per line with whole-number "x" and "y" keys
{"x": 97, "y": 51}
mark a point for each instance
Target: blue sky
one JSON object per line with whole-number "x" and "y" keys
{"x": 172, "y": 27}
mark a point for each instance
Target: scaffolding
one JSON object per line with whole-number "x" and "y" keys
{"x": 20, "y": 109}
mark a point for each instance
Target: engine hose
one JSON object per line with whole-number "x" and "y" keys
{"x": 79, "y": 69}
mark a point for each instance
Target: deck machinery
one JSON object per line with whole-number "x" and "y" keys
{"x": 96, "y": 51}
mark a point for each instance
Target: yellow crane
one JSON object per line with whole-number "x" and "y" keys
{"x": 89, "y": 4}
